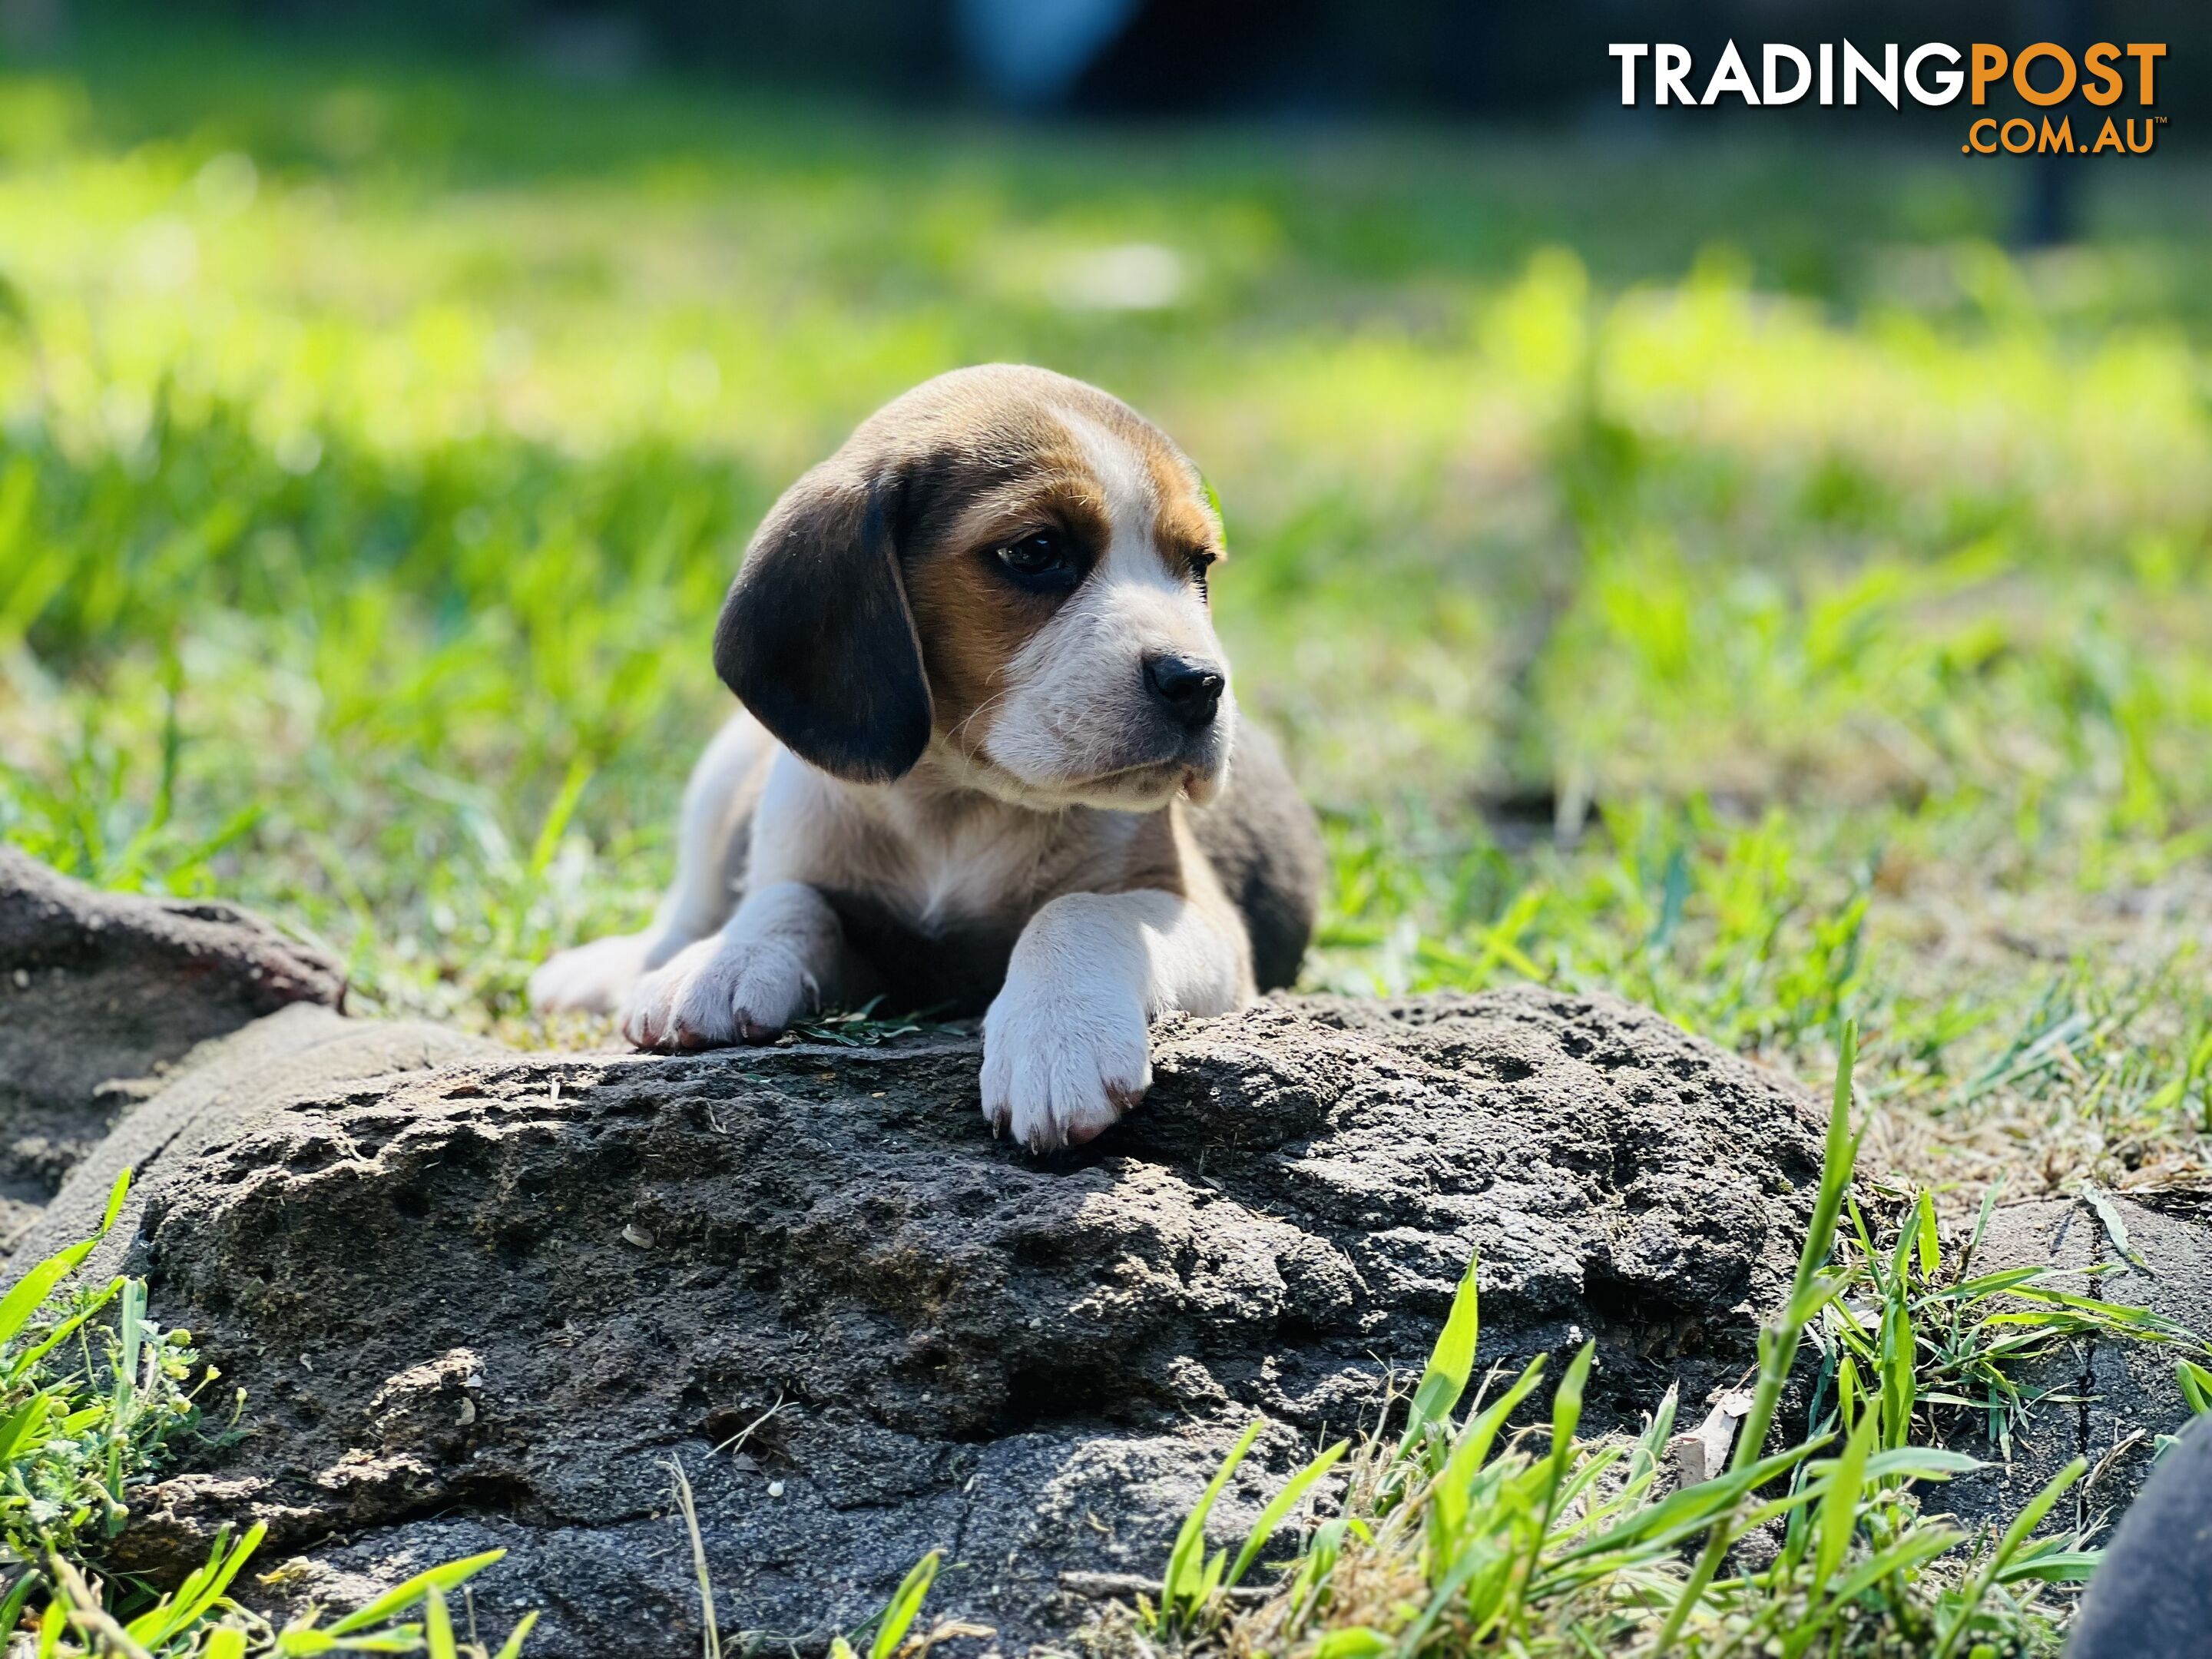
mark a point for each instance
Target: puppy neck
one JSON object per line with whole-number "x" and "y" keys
{"x": 948, "y": 786}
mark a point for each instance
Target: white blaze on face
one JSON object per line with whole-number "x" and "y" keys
{"x": 1076, "y": 708}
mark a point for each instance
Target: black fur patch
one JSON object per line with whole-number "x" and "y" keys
{"x": 816, "y": 637}
{"x": 1265, "y": 846}
{"x": 954, "y": 974}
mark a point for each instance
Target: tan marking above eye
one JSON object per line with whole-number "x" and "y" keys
{"x": 1182, "y": 517}
{"x": 1185, "y": 543}
{"x": 1064, "y": 505}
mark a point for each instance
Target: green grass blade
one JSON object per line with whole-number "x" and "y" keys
{"x": 65, "y": 1329}
{"x": 1898, "y": 1385}
{"x": 220, "y": 1580}
{"x": 1448, "y": 1492}
{"x": 1683, "y": 1513}
{"x": 906, "y": 1601}
{"x": 1988, "y": 1284}
{"x": 1921, "y": 1544}
{"x": 437, "y": 1625}
{"x": 31, "y": 1291}
{"x": 1839, "y": 1509}
{"x": 1989, "y": 1207}
{"x": 2016, "y": 1535}
{"x": 2057, "y": 1567}
{"x": 450, "y": 1576}
{"x": 116, "y": 1194}
{"x": 512, "y": 1648}
{"x": 1651, "y": 1444}
{"x": 1280, "y": 1506}
{"x": 1567, "y": 1404}
{"x": 1777, "y": 1344}
{"x": 2115, "y": 1227}
{"x": 18, "y": 1430}
{"x": 1566, "y": 1418}
{"x": 19, "y": 1593}
{"x": 1839, "y": 1156}
{"x": 197, "y": 1597}
{"x": 1353, "y": 1642}
{"x": 1451, "y": 1361}
{"x": 2195, "y": 1384}
{"x": 1180, "y": 1586}
{"x": 1920, "y": 1464}
{"x": 557, "y": 815}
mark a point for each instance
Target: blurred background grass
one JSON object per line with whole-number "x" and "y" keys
{"x": 1690, "y": 564}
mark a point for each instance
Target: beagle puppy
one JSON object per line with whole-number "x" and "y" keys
{"x": 983, "y": 763}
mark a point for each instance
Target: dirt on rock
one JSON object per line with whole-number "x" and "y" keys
{"x": 489, "y": 1305}
{"x": 2103, "y": 1400}
{"x": 100, "y": 992}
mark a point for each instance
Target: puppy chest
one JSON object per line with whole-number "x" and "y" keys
{"x": 951, "y": 963}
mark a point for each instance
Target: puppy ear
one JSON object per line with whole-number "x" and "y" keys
{"x": 816, "y": 636}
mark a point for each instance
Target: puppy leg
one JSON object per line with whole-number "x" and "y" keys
{"x": 1066, "y": 1046}
{"x": 780, "y": 956}
{"x": 710, "y": 854}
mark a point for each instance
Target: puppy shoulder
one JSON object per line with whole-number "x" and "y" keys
{"x": 817, "y": 828}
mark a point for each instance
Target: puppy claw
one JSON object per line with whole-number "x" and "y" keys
{"x": 1061, "y": 1068}
{"x": 717, "y": 993}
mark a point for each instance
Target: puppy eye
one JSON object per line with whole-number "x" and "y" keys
{"x": 1044, "y": 559}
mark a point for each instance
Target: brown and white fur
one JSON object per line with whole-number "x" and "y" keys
{"x": 982, "y": 765}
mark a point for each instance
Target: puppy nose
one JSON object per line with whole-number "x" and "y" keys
{"x": 1189, "y": 690}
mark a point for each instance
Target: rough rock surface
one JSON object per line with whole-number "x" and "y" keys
{"x": 98, "y": 991}
{"x": 221, "y": 1091}
{"x": 482, "y": 1306}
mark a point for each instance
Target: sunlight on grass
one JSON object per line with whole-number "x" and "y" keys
{"x": 1757, "y": 626}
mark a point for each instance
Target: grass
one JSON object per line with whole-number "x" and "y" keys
{"x": 1460, "y": 1536}
{"x": 1663, "y": 584}
{"x": 90, "y": 1390}
{"x": 1716, "y": 572}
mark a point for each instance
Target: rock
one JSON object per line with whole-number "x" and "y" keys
{"x": 223, "y": 1089}
{"x": 2106, "y": 1401}
{"x": 488, "y": 1305}
{"x": 99, "y": 990}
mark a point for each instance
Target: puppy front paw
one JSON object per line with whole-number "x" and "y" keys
{"x": 591, "y": 979}
{"x": 719, "y": 992}
{"x": 1061, "y": 1063}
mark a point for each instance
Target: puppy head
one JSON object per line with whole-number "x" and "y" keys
{"x": 1003, "y": 568}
